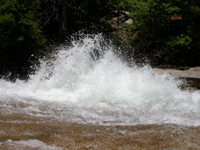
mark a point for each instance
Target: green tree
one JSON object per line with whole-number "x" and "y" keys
{"x": 167, "y": 31}
{"x": 20, "y": 36}
{"x": 64, "y": 17}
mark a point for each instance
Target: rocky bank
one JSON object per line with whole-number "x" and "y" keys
{"x": 191, "y": 76}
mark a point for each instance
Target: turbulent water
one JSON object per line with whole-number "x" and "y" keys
{"x": 88, "y": 83}
{"x": 30, "y": 144}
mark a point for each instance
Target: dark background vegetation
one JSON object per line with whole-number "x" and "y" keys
{"x": 163, "y": 32}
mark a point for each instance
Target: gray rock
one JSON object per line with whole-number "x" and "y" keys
{"x": 121, "y": 19}
{"x": 126, "y": 12}
{"x": 123, "y": 12}
{"x": 129, "y": 21}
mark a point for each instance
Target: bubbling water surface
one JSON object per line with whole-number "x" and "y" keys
{"x": 88, "y": 83}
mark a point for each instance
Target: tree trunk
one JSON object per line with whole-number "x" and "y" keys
{"x": 63, "y": 26}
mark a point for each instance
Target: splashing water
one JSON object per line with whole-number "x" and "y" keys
{"x": 29, "y": 144}
{"x": 89, "y": 83}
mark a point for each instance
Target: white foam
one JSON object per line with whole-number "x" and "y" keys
{"x": 78, "y": 87}
{"x": 2, "y": 132}
{"x": 27, "y": 144}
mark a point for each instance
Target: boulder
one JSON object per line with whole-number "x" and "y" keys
{"x": 121, "y": 19}
{"x": 126, "y": 12}
{"x": 129, "y": 21}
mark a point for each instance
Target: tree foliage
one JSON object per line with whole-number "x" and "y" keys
{"x": 26, "y": 24}
{"x": 64, "y": 17}
{"x": 20, "y": 36}
{"x": 167, "y": 31}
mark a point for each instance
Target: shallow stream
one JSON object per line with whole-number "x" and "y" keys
{"x": 87, "y": 97}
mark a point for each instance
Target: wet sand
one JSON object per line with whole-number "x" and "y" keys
{"x": 80, "y": 136}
